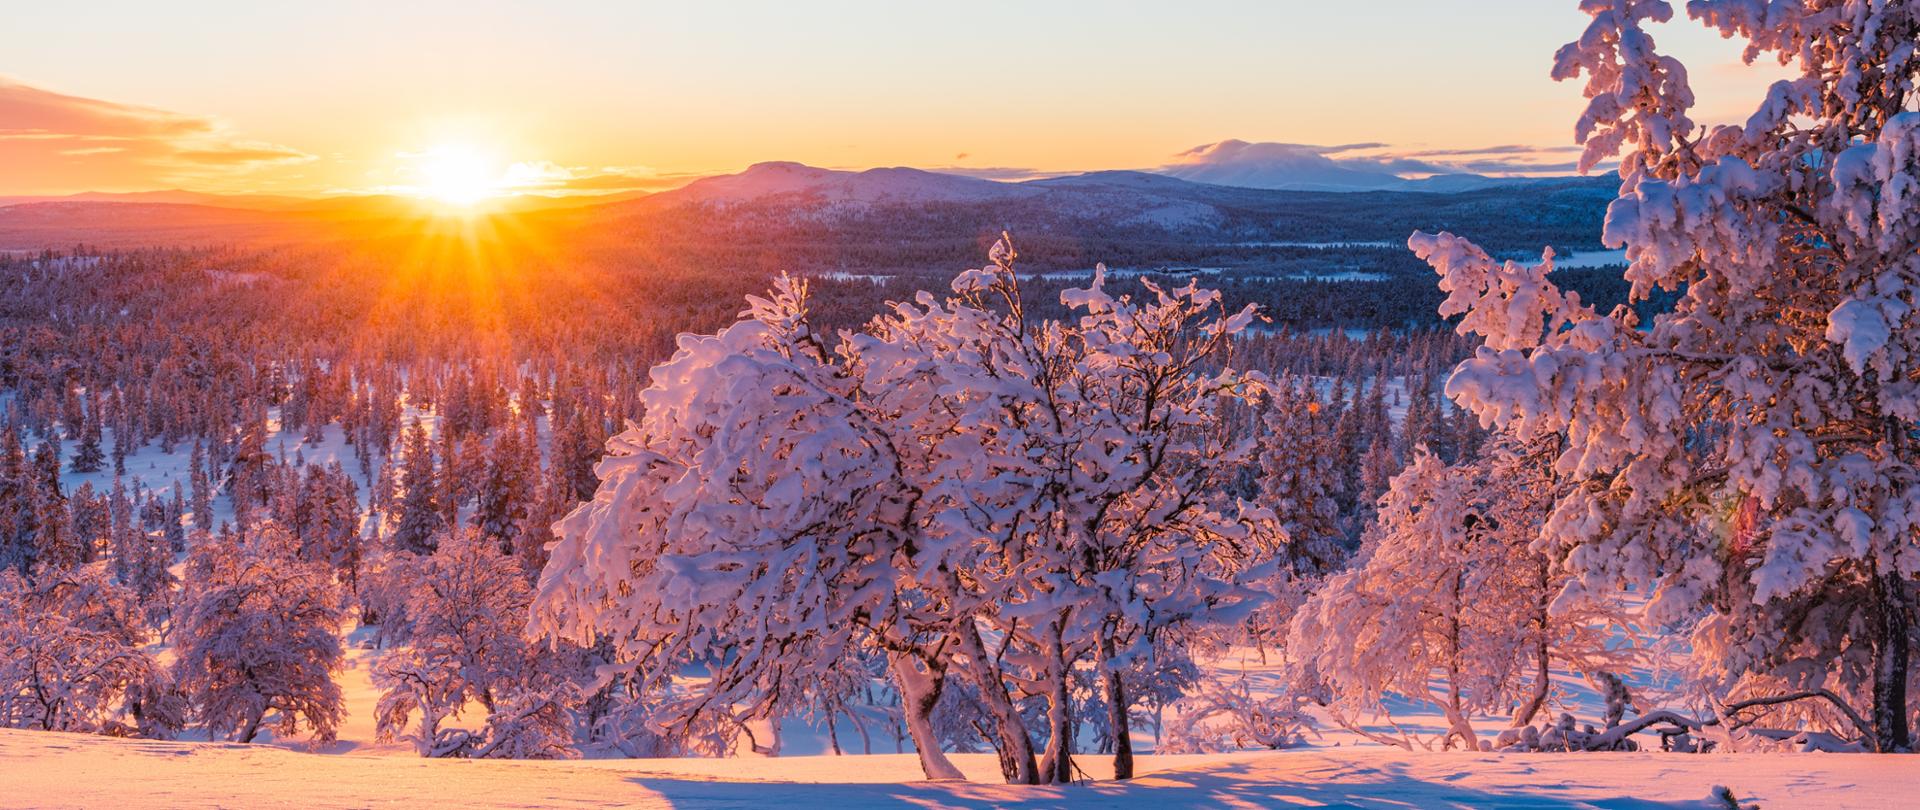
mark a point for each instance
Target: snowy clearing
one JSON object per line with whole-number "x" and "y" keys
{"x": 63, "y": 770}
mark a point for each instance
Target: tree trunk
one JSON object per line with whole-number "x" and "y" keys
{"x": 1459, "y": 727}
{"x": 1890, "y": 629}
{"x": 919, "y": 693}
{"x": 1056, "y": 766}
{"x": 1117, "y": 716}
{"x": 1538, "y": 700}
{"x": 1013, "y": 744}
{"x": 251, "y": 728}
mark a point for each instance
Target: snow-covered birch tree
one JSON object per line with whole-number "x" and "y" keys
{"x": 70, "y": 650}
{"x": 1747, "y": 455}
{"x": 1408, "y": 615}
{"x": 259, "y": 633}
{"x": 460, "y": 647}
{"x": 952, "y": 469}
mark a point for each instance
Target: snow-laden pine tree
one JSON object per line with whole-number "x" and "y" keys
{"x": 572, "y": 451}
{"x": 1747, "y": 455}
{"x": 89, "y": 521}
{"x": 418, "y": 523}
{"x": 202, "y": 486}
{"x": 1295, "y": 481}
{"x": 258, "y": 636}
{"x": 175, "y": 530}
{"x": 326, "y": 521}
{"x": 505, "y": 495}
{"x": 17, "y": 518}
{"x": 55, "y": 544}
{"x": 88, "y": 455}
{"x": 956, "y": 465}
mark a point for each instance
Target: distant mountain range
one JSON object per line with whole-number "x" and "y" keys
{"x": 883, "y": 185}
{"x": 1133, "y": 201}
{"x": 907, "y": 185}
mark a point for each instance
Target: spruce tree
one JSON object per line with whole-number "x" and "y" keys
{"x": 419, "y": 514}
{"x": 88, "y": 456}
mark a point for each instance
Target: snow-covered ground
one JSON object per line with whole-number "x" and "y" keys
{"x": 1338, "y": 769}
{"x": 1590, "y": 258}
{"x": 69, "y": 770}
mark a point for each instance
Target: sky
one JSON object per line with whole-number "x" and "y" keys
{"x": 353, "y": 96}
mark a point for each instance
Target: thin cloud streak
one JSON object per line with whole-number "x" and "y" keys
{"x": 56, "y": 141}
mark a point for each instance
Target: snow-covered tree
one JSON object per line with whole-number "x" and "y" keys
{"x": 1226, "y": 714}
{"x": 753, "y": 440}
{"x": 55, "y": 545}
{"x": 460, "y": 645}
{"x": 202, "y": 486}
{"x": 506, "y": 490}
{"x": 1449, "y": 589}
{"x": 123, "y": 544}
{"x": 1514, "y": 492}
{"x": 1747, "y": 456}
{"x": 175, "y": 530}
{"x": 1295, "y": 481}
{"x": 146, "y": 573}
{"x": 325, "y": 520}
{"x": 88, "y": 456}
{"x": 572, "y": 450}
{"x": 418, "y": 522}
{"x": 1104, "y": 464}
{"x": 956, "y": 465}
{"x": 70, "y": 651}
{"x": 89, "y": 521}
{"x": 27, "y": 506}
{"x": 249, "y": 475}
{"x": 258, "y": 632}
{"x": 1405, "y": 616}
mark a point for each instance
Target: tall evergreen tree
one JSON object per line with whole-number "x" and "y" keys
{"x": 202, "y": 487}
{"x": 88, "y": 455}
{"x": 506, "y": 490}
{"x": 419, "y": 519}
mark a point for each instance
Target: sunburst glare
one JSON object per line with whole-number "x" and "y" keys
{"x": 456, "y": 174}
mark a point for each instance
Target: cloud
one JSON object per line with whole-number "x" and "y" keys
{"x": 34, "y": 110}
{"x": 1354, "y": 166}
{"x": 1281, "y": 165}
{"x": 1508, "y": 149}
{"x": 549, "y": 177}
{"x": 52, "y": 141}
{"x": 995, "y": 172}
{"x": 241, "y": 154}
{"x": 93, "y": 150}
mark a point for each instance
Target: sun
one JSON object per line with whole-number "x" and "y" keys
{"x": 457, "y": 174}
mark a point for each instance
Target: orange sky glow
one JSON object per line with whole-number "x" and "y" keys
{"x": 457, "y": 101}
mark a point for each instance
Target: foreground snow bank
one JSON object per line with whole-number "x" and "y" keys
{"x": 54, "y": 770}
